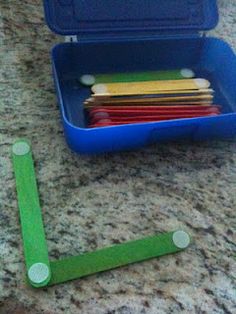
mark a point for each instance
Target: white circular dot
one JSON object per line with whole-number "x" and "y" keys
{"x": 21, "y": 148}
{"x": 87, "y": 79}
{"x": 105, "y": 121}
{"x": 38, "y": 273}
{"x": 187, "y": 73}
{"x": 181, "y": 239}
{"x": 99, "y": 89}
{"x": 100, "y": 115}
{"x": 202, "y": 83}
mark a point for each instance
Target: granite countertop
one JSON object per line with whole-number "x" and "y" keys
{"x": 92, "y": 202}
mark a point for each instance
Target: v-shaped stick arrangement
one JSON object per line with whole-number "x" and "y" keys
{"x": 41, "y": 271}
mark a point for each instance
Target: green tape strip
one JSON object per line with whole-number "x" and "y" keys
{"x": 117, "y": 256}
{"x": 35, "y": 247}
{"x": 89, "y": 80}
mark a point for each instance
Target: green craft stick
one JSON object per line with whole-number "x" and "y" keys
{"x": 89, "y": 80}
{"x": 117, "y": 256}
{"x": 35, "y": 247}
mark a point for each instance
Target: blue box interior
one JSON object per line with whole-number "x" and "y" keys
{"x": 208, "y": 57}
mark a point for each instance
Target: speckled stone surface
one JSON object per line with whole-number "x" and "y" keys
{"x": 91, "y": 202}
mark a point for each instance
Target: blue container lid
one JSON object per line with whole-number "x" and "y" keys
{"x": 119, "y": 17}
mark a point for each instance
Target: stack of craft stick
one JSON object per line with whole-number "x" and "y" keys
{"x": 147, "y": 97}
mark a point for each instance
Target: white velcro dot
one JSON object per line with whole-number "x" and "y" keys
{"x": 99, "y": 89}
{"x": 87, "y": 79}
{"x": 101, "y": 115}
{"x": 187, "y": 73}
{"x": 181, "y": 239}
{"x": 105, "y": 121}
{"x": 21, "y": 148}
{"x": 202, "y": 83}
{"x": 38, "y": 273}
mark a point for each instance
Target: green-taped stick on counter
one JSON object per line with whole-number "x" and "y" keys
{"x": 34, "y": 241}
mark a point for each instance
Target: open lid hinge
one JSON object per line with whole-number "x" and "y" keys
{"x": 82, "y": 38}
{"x": 71, "y": 39}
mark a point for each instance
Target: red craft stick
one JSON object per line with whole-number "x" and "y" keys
{"x": 149, "y": 116}
{"x": 112, "y": 122}
{"x": 129, "y": 114}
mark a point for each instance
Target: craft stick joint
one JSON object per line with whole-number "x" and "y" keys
{"x": 40, "y": 271}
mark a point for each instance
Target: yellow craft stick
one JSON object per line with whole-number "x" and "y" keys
{"x": 172, "y": 93}
{"x": 145, "y": 93}
{"x": 149, "y": 87}
{"x": 130, "y": 94}
{"x": 168, "y": 85}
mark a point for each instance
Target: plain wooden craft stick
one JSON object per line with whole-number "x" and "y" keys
{"x": 145, "y": 100}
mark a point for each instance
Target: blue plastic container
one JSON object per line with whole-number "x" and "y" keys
{"x": 138, "y": 35}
